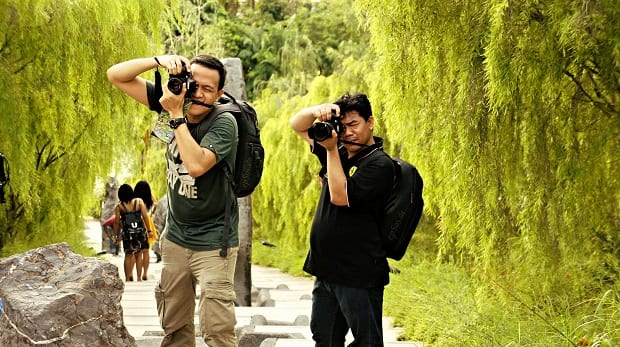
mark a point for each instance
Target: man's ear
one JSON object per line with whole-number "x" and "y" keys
{"x": 371, "y": 122}
{"x": 220, "y": 93}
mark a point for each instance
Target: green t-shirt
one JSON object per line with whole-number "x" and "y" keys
{"x": 197, "y": 205}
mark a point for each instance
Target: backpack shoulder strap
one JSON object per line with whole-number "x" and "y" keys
{"x": 217, "y": 111}
{"x": 206, "y": 124}
{"x": 229, "y": 105}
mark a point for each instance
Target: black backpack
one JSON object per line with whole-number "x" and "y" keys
{"x": 132, "y": 222}
{"x": 403, "y": 209}
{"x": 250, "y": 152}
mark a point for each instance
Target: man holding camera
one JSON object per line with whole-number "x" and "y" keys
{"x": 346, "y": 254}
{"x": 197, "y": 194}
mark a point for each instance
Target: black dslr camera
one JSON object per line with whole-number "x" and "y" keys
{"x": 320, "y": 131}
{"x": 4, "y": 176}
{"x": 176, "y": 82}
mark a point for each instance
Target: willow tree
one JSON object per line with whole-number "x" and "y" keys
{"x": 61, "y": 122}
{"x": 510, "y": 110}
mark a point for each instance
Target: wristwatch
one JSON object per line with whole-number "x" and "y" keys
{"x": 175, "y": 122}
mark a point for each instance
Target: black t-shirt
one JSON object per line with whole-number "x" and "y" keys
{"x": 345, "y": 241}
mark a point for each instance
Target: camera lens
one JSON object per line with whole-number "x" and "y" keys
{"x": 320, "y": 131}
{"x": 175, "y": 85}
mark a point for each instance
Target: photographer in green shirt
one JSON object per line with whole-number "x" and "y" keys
{"x": 197, "y": 196}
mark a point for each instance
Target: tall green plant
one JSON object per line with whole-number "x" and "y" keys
{"x": 61, "y": 122}
{"x": 290, "y": 40}
{"x": 510, "y": 116}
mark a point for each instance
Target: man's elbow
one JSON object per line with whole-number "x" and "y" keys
{"x": 339, "y": 201}
{"x": 195, "y": 171}
{"x": 111, "y": 75}
{"x": 114, "y": 76}
{"x": 197, "y": 168}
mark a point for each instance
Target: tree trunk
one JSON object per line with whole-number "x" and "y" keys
{"x": 235, "y": 85}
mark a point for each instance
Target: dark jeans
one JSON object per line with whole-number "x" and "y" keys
{"x": 337, "y": 308}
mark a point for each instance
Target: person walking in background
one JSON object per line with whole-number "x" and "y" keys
{"x": 159, "y": 215}
{"x": 142, "y": 190}
{"x": 193, "y": 247}
{"x": 346, "y": 256}
{"x": 107, "y": 227}
{"x": 131, "y": 216}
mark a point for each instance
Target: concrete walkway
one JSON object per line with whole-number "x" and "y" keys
{"x": 279, "y": 315}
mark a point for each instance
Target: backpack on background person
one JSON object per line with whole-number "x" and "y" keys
{"x": 133, "y": 227}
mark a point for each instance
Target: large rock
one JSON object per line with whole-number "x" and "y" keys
{"x": 51, "y": 296}
{"x": 110, "y": 200}
{"x": 107, "y": 209}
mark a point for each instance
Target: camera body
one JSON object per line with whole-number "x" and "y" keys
{"x": 176, "y": 82}
{"x": 320, "y": 131}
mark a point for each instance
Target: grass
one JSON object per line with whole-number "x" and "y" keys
{"x": 447, "y": 307}
{"x": 442, "y": 304}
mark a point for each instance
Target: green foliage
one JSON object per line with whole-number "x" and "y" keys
{"x": 62, "y": 124}
{"x": 446, "y": 307}
{"x": 510, "y": 112}
{"x": 296, "y": 39}
{"x": 285, "y": 257}
{"x": 509, "y": 109}
{"x": 511, "y": 131}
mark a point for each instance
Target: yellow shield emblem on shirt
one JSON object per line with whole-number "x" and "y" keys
{"x": 352, "y": 170}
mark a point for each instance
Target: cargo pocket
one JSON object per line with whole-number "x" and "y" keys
{"x": 217, "y": 310}
{"x": 161, "y": 303}
{"x": 219, "y": 290}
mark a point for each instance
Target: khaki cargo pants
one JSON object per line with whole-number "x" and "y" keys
{"x": 175, "y": 295}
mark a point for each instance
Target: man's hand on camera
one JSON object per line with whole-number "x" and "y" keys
{"x": 326, "y": 112}
{"x": 173, "y": 63}
{"x": 173, "y": 103}
{"x": 330, "y": 143}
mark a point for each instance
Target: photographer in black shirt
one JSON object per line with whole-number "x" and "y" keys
{"x": 346, "y": 254}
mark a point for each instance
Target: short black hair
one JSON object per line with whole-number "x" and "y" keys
{"x": 211, "y": 62}
{"x": 125, "y": 193}
{"x": 355, "y": 102}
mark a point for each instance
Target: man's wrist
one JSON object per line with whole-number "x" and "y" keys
{"x": 176, "y": 122}
{"x": 333, "y": 150}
